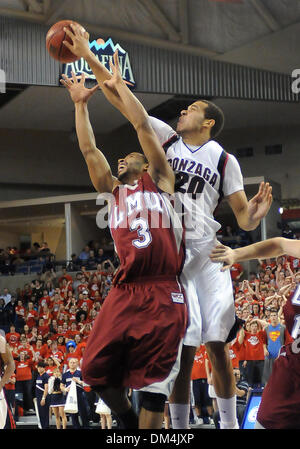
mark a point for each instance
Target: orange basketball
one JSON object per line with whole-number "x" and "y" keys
{"x": 54, "y": 42}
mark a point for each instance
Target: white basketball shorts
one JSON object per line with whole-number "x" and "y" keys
{"x": 209, "y": 295}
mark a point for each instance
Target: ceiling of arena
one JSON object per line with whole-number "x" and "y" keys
{"x": 258, "y": 33}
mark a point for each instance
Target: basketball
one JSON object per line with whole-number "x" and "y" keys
{"x": 54, "y": 42}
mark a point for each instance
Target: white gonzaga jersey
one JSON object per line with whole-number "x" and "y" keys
{"x": 204, "y": 175}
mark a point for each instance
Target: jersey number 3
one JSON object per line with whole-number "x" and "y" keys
{"x": 141, "y": 226}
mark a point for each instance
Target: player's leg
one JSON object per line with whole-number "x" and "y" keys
{"x": 167, "y": 416}
{"x": 154, "y": 396}
{"x": 162, "y": 320}
{"x": 224, "y": 382}
{"x": 117, "y": 400}
{"x": 218, "y": 321}
{"x": 152, "y": 411}
{"x": 180, "y": 397}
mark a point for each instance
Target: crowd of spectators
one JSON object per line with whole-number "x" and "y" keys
{"x": 259, "y": 300}
{"x": 44, "y": 316}
{"x": 11, "y": 258}
{"x": 49, "y": 320}
{"x": 39, "y": 258}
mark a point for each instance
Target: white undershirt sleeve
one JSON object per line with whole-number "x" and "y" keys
{"x": 163, "y": 131}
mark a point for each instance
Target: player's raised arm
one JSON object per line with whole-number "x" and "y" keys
{"x": 159, "y": 168}
{"x": 80, "y": 47}
{"x": 99, "y": 169}
{"x": 270, "y": 248}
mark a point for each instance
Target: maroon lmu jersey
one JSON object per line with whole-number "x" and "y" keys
{"x": 148, "y": 235}
{"x": 280, "y": 405}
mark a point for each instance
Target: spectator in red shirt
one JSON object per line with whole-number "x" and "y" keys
{"x": 203, "y": 403}
{"x": 40, "y": 351}
{"x": 24, "y": 346}
{"x": 24, "y": 380}
{"x": 61, "y": 344}
{"x": 70, "y": 353}
{"x": 20, "y": 315}
{"x": 72, "y": 331}
{"x": 44, "y": 313}
{"x": 85, "y": 273}
{"x": 55, "y": 352}
{"x": 31, "y": 315}
{"x": 56, "y": 305}
{"x": 94, "y": 285}
{"x": 12, "y": 337}
{"x": 65, "y": 275}
{"x": 72, "y": 314}
{"x": 43, "y": 328}
{"x": 84, "y": 300}
{"x": 236, "y": 271}
{"x": 52, "y": 365}
{"x": 44, "y": 300}
{"x": 255, "y": 352}
{"x": 65, "y": 288}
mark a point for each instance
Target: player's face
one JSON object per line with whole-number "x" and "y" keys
{"x": 192, "y": 118}
{"x": 132, "y": 164}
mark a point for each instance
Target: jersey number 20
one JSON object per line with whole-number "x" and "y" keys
{"x": 195, "y": 186}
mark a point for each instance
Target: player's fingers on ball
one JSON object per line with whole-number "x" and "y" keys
{"x": 68, "y": 45}
{"x": 69, "y": 33}
{"x": 75, "y": 28}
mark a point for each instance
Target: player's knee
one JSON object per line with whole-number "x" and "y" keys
{"x": 153, "y": 402}
{"x": 217, "y": 352}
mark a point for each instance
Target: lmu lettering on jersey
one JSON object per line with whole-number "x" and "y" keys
{"x": 149, "y": 204}
{"x": 138, "y": 203}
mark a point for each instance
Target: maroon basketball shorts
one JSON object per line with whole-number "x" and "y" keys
{"x": 280, "y": 405}
{"x": 137, "y": 334}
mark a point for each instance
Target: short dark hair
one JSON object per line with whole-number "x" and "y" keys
{"x": 41, "y": 364}
{"x": 212, "y": 111}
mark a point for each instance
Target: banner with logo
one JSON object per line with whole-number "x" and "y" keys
{"x": 104, "y": 51}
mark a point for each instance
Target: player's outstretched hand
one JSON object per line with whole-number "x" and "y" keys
{"x": 225, "y": 254}
{"x": 116, "y": 78}
{"x": 260, "y": 204}
{"x": 77, "y": 90}
{"x": 80, "y": 40}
